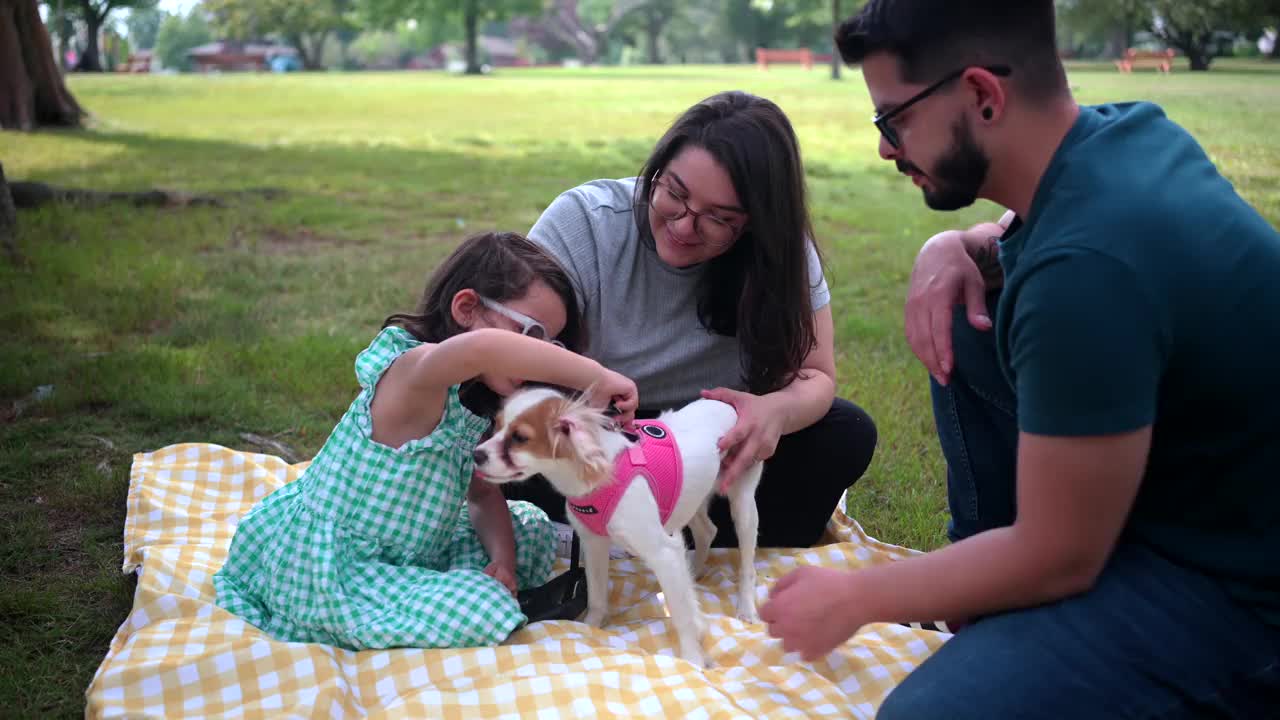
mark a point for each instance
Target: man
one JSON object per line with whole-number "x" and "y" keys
{"x": 1106, "y": 398}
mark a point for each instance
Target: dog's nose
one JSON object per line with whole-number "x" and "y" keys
{"x": 480, "y": 456}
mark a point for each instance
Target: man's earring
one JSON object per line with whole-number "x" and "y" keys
{"x": 986, "y": 113}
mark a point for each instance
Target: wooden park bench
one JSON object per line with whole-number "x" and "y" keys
{"x": 764, "y": 56}
{"x": 1161, "y": 60}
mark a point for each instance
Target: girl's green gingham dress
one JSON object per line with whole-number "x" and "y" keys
{"x": 372, "y": 547}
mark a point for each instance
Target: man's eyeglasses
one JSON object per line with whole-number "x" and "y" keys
{"x": 671, "y": 207}
{"x": 528, "y": 326}
{"x": 882, "y": 121}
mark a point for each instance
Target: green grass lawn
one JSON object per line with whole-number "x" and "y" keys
{"x": 164, "y": 326}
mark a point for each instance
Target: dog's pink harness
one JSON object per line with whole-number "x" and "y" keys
{"x": 655, "y": 456}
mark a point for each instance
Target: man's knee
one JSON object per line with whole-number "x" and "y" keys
{"x": 920, "y": 698}
{"x": 970, "y": 346}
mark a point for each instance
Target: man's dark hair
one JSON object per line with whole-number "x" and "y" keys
{"x": 931, "y": 38}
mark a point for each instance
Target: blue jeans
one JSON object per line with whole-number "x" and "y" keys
{"x": 1151, "y": 639}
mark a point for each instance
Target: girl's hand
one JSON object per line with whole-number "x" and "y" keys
{"x": 755, "y": 436}
{"x": 503, "y": 573}
{"x": 618, "y": 389}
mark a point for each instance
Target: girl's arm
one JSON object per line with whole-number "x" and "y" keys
{"x": 500, "y": 353}
{"x": 491, "y": 518}
{"x": 410, "y": 397}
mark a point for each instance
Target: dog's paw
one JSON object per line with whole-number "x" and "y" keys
{"x": 697, "y": 566}
{"x": 747, "y": 613}
{"x": 696, "y": 658}
{"x": 594, "y": 618}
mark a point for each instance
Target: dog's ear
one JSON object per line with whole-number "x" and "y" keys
{"x": 578, "y": 435}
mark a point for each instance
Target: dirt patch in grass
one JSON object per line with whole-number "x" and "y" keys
{"x": 277, "y": 241}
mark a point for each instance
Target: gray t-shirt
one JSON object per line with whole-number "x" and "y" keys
{"x": 642, "y": 314}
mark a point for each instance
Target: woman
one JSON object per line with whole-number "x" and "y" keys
{"x": 699, "y": 279}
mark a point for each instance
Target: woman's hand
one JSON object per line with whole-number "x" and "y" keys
{"x": 618, "y": 389}
{"x": 503, "y": 573}
{"x": 812, "y": 610}
{"x": 754, "y": 438}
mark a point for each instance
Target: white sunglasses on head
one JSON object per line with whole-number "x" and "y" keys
{"x": 528, "y": 326}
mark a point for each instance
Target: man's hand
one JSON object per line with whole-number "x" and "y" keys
{"x": 944, "y": 275}
{"x": 813, "y": 610}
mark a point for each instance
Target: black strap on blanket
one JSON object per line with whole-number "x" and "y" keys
{"x": 563, "y": 597}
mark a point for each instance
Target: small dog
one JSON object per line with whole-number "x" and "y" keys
{"x": 616, "y": 488}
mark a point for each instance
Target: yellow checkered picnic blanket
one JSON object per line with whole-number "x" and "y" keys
{"x": 179, "y": 655}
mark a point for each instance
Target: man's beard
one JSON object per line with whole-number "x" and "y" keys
{"x": 959, "y": 174}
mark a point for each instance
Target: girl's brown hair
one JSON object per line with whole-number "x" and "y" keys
{"x": 500, "y": 266}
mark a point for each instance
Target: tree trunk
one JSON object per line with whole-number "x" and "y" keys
{"x": 60, "y": 24}
{"x": 1118, "y": 40}
{"x": 91, "y": 59}
{"x": 298, "y": 42}
{"x": 344, "y": 51}
{"x": 8, "y": 220}
{"x": 314, "y": 60}
{"x": 472, "y": 20}
{"x": 835, "y": 51}
{"x": 655, "y": 20}
{"x": 1198, "y": 50}
{"x": 1197, "y": 46}
{"x": 32, "y": 92}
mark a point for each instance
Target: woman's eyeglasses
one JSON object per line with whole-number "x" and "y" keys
{"x": 528, "y": 326}
{"x": 671, "y": 207}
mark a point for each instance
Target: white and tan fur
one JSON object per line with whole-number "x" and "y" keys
{"x": 541, "y": 431}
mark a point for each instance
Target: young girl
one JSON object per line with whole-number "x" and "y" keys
{"x": 374, "y": 546}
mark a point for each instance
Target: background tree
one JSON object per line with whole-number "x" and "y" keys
{"x": 588, "y": 24}
{"x": 1101, "y": 27}
{"x": 655, "y": 16}
{"x": 304, "y": 24}
{"x": 93, "y": 14}
{"x": 60, "y": 23}
{"x": 143, "y": 25}
{"x": 1266, "y": 16}
{"x": 1194, "y": 26}
{"x": 178, "y": 34}
{"x": 32, "y": 92}
{"x": 470, "y": 13}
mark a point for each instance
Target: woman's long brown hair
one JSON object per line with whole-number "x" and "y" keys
{"x": 759, "y": 290}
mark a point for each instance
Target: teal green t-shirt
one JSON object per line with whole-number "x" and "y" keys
{"x": 1142, "y": 290}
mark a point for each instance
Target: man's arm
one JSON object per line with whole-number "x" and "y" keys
{"x": 1088, "y": 368}
{"x": 982, "y": 242}
{"x": 1074, "y": 495}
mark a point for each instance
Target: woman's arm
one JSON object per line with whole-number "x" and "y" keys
{"x": 809, "y": 396}
{"x": 763, "y": 419}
